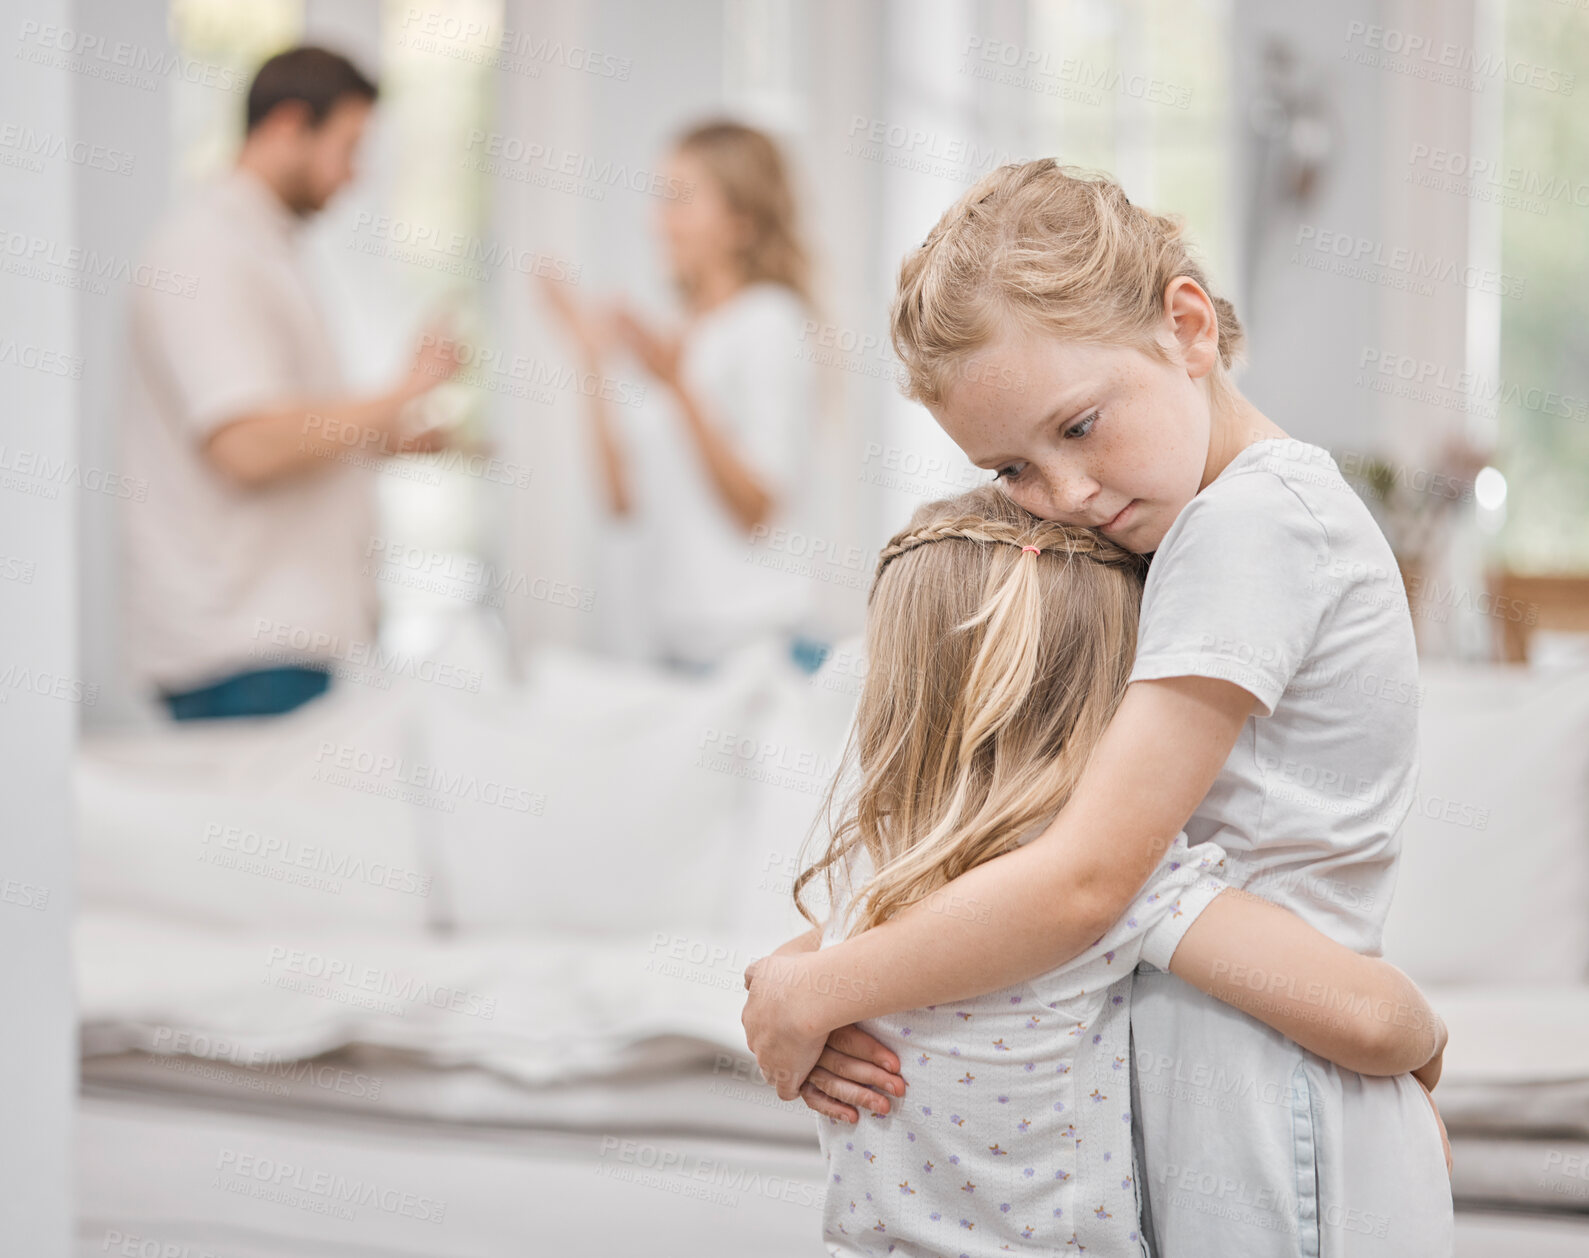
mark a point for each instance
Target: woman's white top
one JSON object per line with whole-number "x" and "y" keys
{"x": 711, "y": 585}
{"x": 1015, "y": 1129}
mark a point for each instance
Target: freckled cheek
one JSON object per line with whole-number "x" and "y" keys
{"x": 1112, "y": 464}
{"x": 1035, "y": 499}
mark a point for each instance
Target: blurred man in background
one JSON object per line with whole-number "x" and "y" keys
{"x": 246, "y": 572}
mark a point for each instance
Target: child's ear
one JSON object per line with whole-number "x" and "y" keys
{"x": 1193, "y": 322}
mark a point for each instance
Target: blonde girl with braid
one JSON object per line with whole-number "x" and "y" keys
{"x": 1070, "y": 342}
{"x": 999, "y": 646}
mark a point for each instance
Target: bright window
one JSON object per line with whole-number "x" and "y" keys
{"x": 206, "y": 121}
{"x": 1542, "y": 394}
{"x": 1141, "y": 89}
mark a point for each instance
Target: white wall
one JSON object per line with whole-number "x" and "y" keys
{"x": 38, "y": 664}
{"x": 1316, "y": 337}
{"x": 116, "y": 212}
{"x": 1309, "y": 330}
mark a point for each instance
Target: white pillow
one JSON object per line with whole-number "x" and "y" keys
{"x": 249, "y": 823}
{"x": 788, "y": 764}
{"x": 589, "y": 801}
{"x": 1493, "y": 885}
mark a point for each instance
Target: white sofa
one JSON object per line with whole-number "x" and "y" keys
{"x": 684, "y": 829}
{"x": 1491, "y": 917}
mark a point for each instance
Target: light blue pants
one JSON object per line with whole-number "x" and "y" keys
{"x": 1247, "y": 1144}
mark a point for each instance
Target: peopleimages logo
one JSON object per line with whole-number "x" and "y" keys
{"x": 410, "y": 241}
{"x": 444, "y": 782}
{"x": 293, "y": 642}
{"x": 368, "y": 986}
{"x": 24, "y": 254}
{"x": 118, "y": 61}
{"x": 291, "y": 856}
{"x": 515, "y": 51}
{"x": 670, "y": 1169}
{"x": 33, "y": 147}
{"x": 1360, "y": 257}
{"x": 182, "y": 1050}
{"x": 1441, "y": 61}
{"x": 531, "y": 161}
{"x": 329, "y": 1188}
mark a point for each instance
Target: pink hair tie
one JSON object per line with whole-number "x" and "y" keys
{"x": 1036, "y": 550}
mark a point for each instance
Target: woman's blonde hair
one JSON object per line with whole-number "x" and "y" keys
{"x": 1049, "y": 248}
{"x": 991, "y": 674}
{"x": 746, "y": 164}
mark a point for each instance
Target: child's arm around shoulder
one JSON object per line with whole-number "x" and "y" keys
{"x": 1045, "y": 903}
{"x": 1030, "y": 910}
{"x": 1361, "y": 1013}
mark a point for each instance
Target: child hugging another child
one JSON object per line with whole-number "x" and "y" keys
{"x": 999, "y": 647}
{"x": 1226, "y": 742}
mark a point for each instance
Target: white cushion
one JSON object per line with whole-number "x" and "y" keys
{"x": 1518, "y": 1059}
{"x": 788, "y": 763}
{"x": 242, "y": 823}
{"x": 593, "y": 805}
{"x": 1493, "y": 885}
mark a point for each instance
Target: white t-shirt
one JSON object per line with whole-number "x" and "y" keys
{"x": 222, "y": 579}
{"x": 1275, "y": 577}
{"x": 711, "y": 586}
{"x": 1016, "y": 1128}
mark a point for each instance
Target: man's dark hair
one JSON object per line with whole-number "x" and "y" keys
{"x": 316, "y": 76}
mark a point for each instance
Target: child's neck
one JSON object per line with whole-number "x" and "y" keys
{"x": 1233, "y": 427}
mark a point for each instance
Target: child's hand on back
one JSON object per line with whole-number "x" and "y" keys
{"x": 787, "y": 1031}
{"x": 853, "y": 1068}
{"x": 780, "y": 1030}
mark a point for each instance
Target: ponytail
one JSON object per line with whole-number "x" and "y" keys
{"x": 991, "y": 674}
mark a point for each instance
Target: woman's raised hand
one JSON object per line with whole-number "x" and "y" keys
{"x": 658, "y": 354}
{"x": 590, "y": 328}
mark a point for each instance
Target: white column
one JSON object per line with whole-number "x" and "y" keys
{"x": 117, "y": 209}
{"x": 927, "y": 94}
{"x": 841, "y": 210}
{"x": 1452, "y": 329}
{"x": 39, "y": 671}
{"x": 1307, "y": 329}
{"x": 548, "y": 529}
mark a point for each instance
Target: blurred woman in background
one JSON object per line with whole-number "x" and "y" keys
{"x": 712, "y": 489}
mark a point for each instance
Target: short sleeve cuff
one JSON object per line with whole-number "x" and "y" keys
{"x": 1264, "y": 688}
{"x": 215, "y": 410}
{"x": 1160, "y": 943}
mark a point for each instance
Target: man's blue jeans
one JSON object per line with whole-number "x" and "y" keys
{"x": 263, "y": 692}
